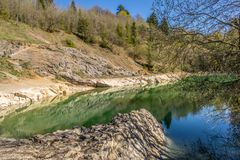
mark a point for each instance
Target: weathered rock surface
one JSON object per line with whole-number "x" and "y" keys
{"x": 129, "y": 136}
{"x": 8, "y": 48}
{"x": 68, "y": 63}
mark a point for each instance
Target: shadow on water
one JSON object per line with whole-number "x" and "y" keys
{"x": 191, "y": 116}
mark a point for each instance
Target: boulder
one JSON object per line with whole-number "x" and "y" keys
{"x": 136, "y": 135}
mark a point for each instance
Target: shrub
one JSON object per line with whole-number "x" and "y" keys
{"x": 70, "y": 43}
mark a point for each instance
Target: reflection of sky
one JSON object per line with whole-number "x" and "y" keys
{"x": 198, "y": 126}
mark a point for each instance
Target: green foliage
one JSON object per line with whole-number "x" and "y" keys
{"x": 44, "y": 3}
{"x": 83, "y": 30}
{"x": 41, "y": 3}
{"x": 128, "y": 33}
{"x": 8, "y": 67}
{"x": 2, "y": 76}
{"x": 104, "y": 38}
{"x": 73, "y": 6}
{"x": 164, "y": 27}
{"x": 119, "y": 31}
{"x": 134, "y": 34}
{"x": 4, "y": 13}
{"x": 213, "y": 81}
{"x": 180, "y": 50}
{"x": 153, "y": 20}
{"x": 70, "y": 43}
{"x": 122, "y": 11}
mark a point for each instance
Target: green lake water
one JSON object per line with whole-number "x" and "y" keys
{"x": 201, "y": 123}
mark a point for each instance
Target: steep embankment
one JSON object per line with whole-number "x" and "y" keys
{"x": 137, "y": 135}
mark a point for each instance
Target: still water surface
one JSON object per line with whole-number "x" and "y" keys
{"x": 198, "y": 126}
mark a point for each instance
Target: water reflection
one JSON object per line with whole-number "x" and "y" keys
{"x": 187, "y": 115}
{"x": 167, "y": 120}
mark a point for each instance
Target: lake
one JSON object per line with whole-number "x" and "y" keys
{"x": 202, "y": 122}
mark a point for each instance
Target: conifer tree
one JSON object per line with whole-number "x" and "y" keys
{"x": 44, "y": 3}
{"x": 73, "y": 6}
{"x": 71, "y": 17}
{"x": 83, "y": 29}
{"x": 164, "y": 27}
{"x": 153, "y": 20}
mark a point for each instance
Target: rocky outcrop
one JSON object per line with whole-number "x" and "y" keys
{"x": 129, "y": 136}
{"x": 7, "y": 48}
{"x": 68, "y": 63}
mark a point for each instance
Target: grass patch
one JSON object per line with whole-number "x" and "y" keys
{"x": 6, "y": 66}
{"x": 10, "y": 30}
{"x": 2, "y": 76}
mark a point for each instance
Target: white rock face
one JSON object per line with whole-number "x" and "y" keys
{"x": 138, "y": 80}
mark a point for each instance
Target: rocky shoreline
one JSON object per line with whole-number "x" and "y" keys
{"x": 18, "y": 98}
{"x": 136, "y": 135}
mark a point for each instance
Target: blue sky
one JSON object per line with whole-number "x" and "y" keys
{"x": 142, "y": 7}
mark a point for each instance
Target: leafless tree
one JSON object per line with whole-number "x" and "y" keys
{"x": 203, "y": 17}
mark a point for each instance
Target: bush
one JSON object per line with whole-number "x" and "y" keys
{"x": 70, "y": 43}
{"x": 104, "y": 44}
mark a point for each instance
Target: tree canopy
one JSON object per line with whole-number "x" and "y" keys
{"x": 153, "y": 19}
{"x": 122, "y": 11}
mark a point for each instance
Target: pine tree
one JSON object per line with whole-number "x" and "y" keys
{"x": 44, "y": 3}
{"x": 153, "y": 20}
{"x": 164, "y": 27}
{"x": 83, "y": 31}
{"x": 73, "y": 6}
{"x": 71, "y": 18}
